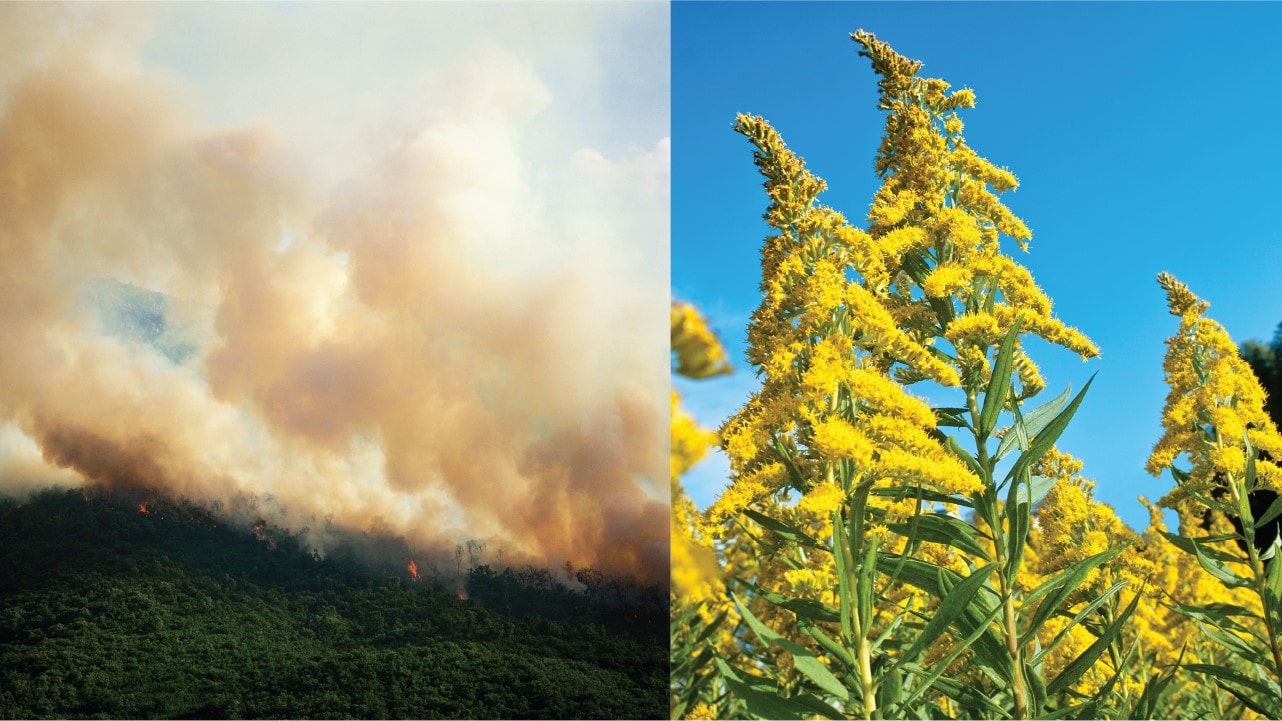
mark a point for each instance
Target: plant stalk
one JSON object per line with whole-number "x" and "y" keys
{"x": 1259, "y": 578}
{"x": 1010, "y": 620}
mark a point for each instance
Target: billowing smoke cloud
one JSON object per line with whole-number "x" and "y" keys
{"x": 450, "y": 326}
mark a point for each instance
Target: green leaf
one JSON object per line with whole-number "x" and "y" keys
{"x": 925, "y": 494}
{"x": 1059, "y": 587}
{"x": 1044, "y": 440}
{"x": 1273, "y": 592}
{"x": 865, "y": 572}
{"x": 942, "y": 528}
{"x": 950, "y": 611}
{"x": 934, "y": 678}
{"x": 840, "y": 554}
{"x": 1036, "y": 687}
{"x": 1032, "y": 423}
{"x": 1263, "y": 697}
{"x": 1078, "y": 617}
{"x": 803, "y": 659}
{"x": 1087, "y": 658}
{"x": 1273, "y": 511}
{"x": 999, "y": 383}
{"x": 1187, "y": 545}
{"x": 817, "y": 706}
{"x": 703, "y": 635}
{"x": 1035, "y": 490}
{"x": 803, "y": 607}
{"x": 990, "y": 652}
{"x": 891, "y": 689}
{"x": 761, "y": 700}
{"x": 1154, "y": 691}
{"x": 763, "y": 632}
{"x": 783, "y": 529}
{"x": 1218, "y": 614}
{"x": 1019, "y": 516}
{"x": 823, "y": 640}
{"x": 951, "y": 417}
{"x": 811, "y": 668}
{"x": 1236, "y": 645}
{"x": 1216, "y": 568}
{"x": 953, "y": 447}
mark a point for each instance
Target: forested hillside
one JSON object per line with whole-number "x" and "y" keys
{"x": 112, "y": 608}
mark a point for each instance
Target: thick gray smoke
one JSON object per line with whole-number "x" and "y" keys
{"x": 442, "y": 316}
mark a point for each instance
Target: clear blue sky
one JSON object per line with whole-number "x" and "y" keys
{"x": 1146, "y": 137}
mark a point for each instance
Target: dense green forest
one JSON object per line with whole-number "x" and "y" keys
{"x": 112, "y": 610}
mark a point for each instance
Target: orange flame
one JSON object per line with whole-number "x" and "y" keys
{"x": 142, "y": 507}
{"x": 413, "y": 568}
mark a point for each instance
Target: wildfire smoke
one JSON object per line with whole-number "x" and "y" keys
{"x": 439, "y": 313}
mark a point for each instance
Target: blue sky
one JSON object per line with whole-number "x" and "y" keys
{"x": 1144, "y": 135}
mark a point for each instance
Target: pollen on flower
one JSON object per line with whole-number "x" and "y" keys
{"x": 946, "y": 279}
{"x": 823, "y": 499}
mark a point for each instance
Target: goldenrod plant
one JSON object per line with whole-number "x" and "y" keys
{"x": 1215, "y": 419}
{"x": 877, "y": 556}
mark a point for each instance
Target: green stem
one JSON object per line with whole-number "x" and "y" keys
{"x": 1010, "y": 619}
{"x": 1259, "y": 578}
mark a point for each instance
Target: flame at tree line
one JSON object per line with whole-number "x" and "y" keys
{"x": 352, "y": 327}
{"x": 205, "y": 577}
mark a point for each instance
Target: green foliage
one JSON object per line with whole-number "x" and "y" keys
{"x": 113, "y": 613}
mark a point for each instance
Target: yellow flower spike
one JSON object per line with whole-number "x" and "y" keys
{"x": 1209, "y": 382}
{"x": 823, "y": 499}
{"x": 946, "y": 279}
{"x": 689, "y": 442}
{"x": 1179, "y": 298}
{"x": 698, "y": 352}
{"x": 1030, "y": 376}
{"x": 702, "y": 712}
{"x": 836, "y": 438}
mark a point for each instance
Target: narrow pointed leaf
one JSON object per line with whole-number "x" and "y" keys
{"x": 804, "y": 660}
{"x": 944, "y": 529}
{"x": 1216, "y": 568}
{"x": 1080, "y": 665}
{"x": 803, "y": 607}
{"x": 760, "y": 699}
{"x": 1262, "y": 698}
{"x": 950, "y": 611}
{"x": 901, "y": 492}
{"x": 990, "y": 652}
{"x": 1273, "y": 511}
{"x": 1059, "y": 587}
{"x": 1033, "y": 422}
{"x": 1035, "y": 490}
{"x": 1078, "y": 617}
{"x": 809, "y": 666}
{"x": 999, "y": 383}
{"x": 934, "y": 677}
{"x": 951, "y": 417}
{"x": 1044, "y": 440}
{"x": 783, "y": 529}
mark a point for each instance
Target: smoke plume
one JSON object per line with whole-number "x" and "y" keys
{"x": 440, "y": 312}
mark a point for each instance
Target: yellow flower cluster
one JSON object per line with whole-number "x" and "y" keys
{"x": 940, "y": 193}
{"x": 1215, "y": 404}
{"x": 689, "y": 442}
{"x": 823, "y": 340}
{"x": 698, "y": 352}
{"x": 695, "y": 575}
